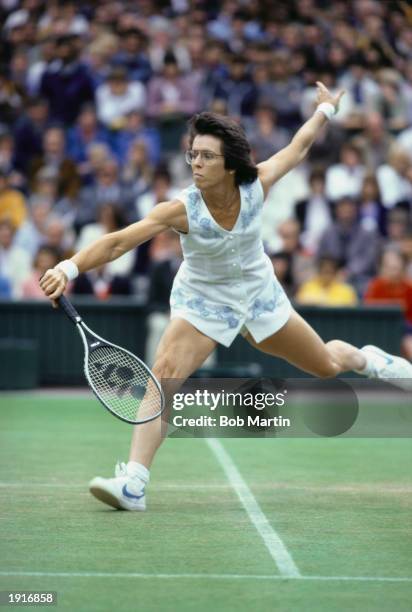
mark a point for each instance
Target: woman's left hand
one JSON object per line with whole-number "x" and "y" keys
{"x": 324, "y": 95}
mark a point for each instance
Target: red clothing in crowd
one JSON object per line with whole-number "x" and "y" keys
{"x": 382, "y": 290}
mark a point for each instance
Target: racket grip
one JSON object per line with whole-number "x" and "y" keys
{"x": 69, "y": 309}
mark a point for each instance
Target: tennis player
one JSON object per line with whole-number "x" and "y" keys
{"x": 225, "y": 285}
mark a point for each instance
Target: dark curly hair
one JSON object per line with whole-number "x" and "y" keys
{"x": 236, "y": 149}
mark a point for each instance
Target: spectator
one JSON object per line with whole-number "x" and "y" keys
{"x": 17, "y": 31}
{"x": 345, "y": 178}
{"x": 18, "y": 70}
{"x": 393, "y": 287}
{"x": 349, "y": 243}
{"x": 162, "y": 45}
{"x": 137, "y": 128}
{"x": 66, "y": 83}
{"x": 363, "y": 89}
{"x": 406, "y": 86}
{"x": 10, "y": 99}
{"x": 237, "y": 88}
{"x": 12, "y": 203}
{"x": 138, "y": 172}
{"x": 99, "y": 56}
{"x": 326, "y": 288}
{"x": 45, "y": 185}
{"x": 313, "y": 45}
{"x": 390, "y": 101}
{"x": 82, "y": 135}
{"x": 374, "y": 141}
{"x": 325, "y": 151}
{"x": 282, "y": 266}
{"x": 45, "y": 258}
{"x": 314, "y": 213}
{"x": 393, "y": 178}
{"x": 5, "y": 288}
{"x": 14, "y": 261}
{"x": 106, "y": 189}
{"x": 7, "y": 164}
{"x": 405, "y": 247}
{"x": 110, "y": 219}
{"x": 161, "y": 191}
{"x": 28, "y": 133}
{"x": 280, "y": 207}
{"x": 398, "y": 220}
{"x": 132, "y": 55}
{"x": 31, "y": 234}
{"x": 118, "y": 97}
{"x": 265, "y": 137}
{"x": 166, "y": 257}
{"x": 170, "y": 102}
{"x": 54, "y": 156}
{"x": 404, "y": 141}
{"x": 290, "y": 244}
{"x": 46, "y": 53}
{"x": 214, "y": 72}
{"x": 372, "y": 214}
{"x": 57, "y": 236}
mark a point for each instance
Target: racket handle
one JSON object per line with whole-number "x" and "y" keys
{"x": 69, "y": 309}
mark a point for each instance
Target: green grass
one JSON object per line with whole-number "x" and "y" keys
{"x": 341, "y": 506}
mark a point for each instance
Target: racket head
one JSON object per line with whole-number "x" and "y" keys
{"x": 123, "y": 383}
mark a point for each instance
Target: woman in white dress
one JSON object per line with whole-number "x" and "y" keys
{"x": 226, "y": 284}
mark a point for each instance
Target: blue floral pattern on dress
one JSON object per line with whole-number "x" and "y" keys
{"x": 194, "y": 204}
{"x": 252, "y": 207}
{"x": 259, "y": 306}
{"x": 205, "y": 309}
{"x": 206, "y": 229}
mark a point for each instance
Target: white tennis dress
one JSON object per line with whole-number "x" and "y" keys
{"x": 226, "y": 283}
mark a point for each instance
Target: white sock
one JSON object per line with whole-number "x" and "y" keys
{"x": 368, "y": 369}
{"x": 137, "y": 469}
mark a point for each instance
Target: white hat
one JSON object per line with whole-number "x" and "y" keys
{"x": 16, "y": 20}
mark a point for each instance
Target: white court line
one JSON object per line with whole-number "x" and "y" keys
{"x": 206, "y": 576}
{"x": 271, "y": 539}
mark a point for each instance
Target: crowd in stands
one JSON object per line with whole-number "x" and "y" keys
{"x": 94, "y": 103}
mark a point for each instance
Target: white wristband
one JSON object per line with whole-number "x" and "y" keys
{"x": 69, "y": 268}
{"x": 327, "y": 109}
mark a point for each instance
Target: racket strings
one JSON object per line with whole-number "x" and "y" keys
{"x": 124, "y": 385}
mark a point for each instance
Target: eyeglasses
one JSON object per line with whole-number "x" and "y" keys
{"x": 207, "y": 157}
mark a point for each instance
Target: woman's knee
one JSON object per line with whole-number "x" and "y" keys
{"x": 165, "y": 367}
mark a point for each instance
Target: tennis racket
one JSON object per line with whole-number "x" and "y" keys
{"x": 119, "y": 379}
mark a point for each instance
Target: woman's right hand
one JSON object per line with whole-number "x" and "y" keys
{"x": 53, "y": 283}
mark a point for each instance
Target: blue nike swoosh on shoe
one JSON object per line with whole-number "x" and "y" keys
{"x": 388, "y": 358}
{"x": 130, "y": 495}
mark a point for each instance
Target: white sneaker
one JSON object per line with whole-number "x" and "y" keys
{"x": 395, "y": 370}
{"x": 126, "y": 491}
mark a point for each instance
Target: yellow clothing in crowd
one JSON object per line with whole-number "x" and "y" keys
{"x": 13, "y": 207}
{"x": 335, "y": 294}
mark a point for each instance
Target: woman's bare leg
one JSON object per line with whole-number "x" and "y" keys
{"x": 300, "y": 345}
{"x": 181, "y": 351}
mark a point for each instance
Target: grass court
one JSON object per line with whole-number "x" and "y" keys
{"x": 232, "y": 524}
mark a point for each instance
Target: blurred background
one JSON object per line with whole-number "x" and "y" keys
{"x": 94, "y": 101}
